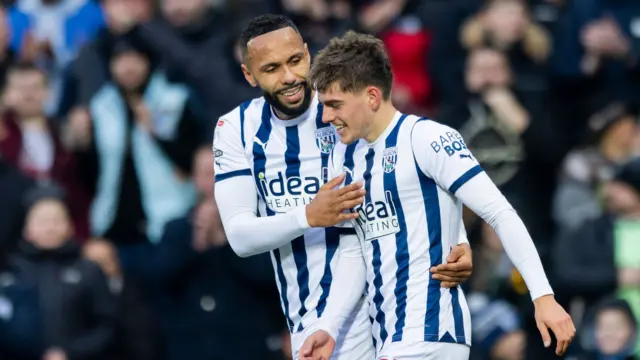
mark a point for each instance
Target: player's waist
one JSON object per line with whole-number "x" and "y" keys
{"x": 357, "y": 323}
{"x": 420, "y": 334}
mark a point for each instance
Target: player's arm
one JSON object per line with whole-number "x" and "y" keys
{"x": 459, "y": 265}
{"x": 347, "y": 288}
{"x": 459, "y": 173}
{"x": 456, "y": 170}
{"x": 237, "y": 200}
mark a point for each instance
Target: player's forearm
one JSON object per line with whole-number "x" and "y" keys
{"x": 247, "y": 233}
{"x": 347, "y": 289}
{"x": 492, "y": 206}
{"x": 251, "y": 235}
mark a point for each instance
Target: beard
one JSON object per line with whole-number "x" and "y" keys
{"x": 272, "y": 99}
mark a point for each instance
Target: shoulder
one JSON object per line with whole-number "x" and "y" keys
{"x": 249, "y": 110}
{"x": 241, "y": 114}
{"x": 432, "y": 139}
{"x": 427, "y": 131}
{"x": 426, "y": 127}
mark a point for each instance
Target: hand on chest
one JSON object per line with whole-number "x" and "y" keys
{"x": 389, "y": 188}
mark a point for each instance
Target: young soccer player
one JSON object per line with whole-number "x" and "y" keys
{"x": 417, "y": 174}
{"x": 273, "y": 190}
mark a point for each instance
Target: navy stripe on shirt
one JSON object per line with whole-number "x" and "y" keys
{"x": 402, "y": 247}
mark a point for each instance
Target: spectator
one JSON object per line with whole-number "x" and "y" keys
{"x": 56, "y": 30}
{"x": 408, "y": 39}
{"x": 506, "y": 25}
{"x": 135, "y": 149}
{"x": 509, "y": 131}
{"x": 32, "y": 142}
{"x": 192, "y": 39}
{"x": 77, "y": 308}
{"x": 204, "y": 295}
{"x": 320, "y": 20}
{"x": 90, "y": 70}
{"x": 13, "y": 186}
{"x": 613, "y": 131}
{"x": 611, "y": 332}
{"x": 135, "y": 335}
{"x": 446, "y": 56}
{"x": 496, "y": 330}
{"x": 594, "y": 58}
{"x": 547, "y": 12}
{"x": 20, "y": 316}
{"x": 8, "y": 51}
{"x": 602, "y": 251}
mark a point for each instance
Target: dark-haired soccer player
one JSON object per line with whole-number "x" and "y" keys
{"x": 273, "y": 189}
{"x": 417, "y": 173}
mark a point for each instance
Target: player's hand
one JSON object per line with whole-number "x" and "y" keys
{"x": 458, "y": 268}
{"x": 318, "y": 346}
{"x": 329, "y": 205}
{"x": 550, "y": 315}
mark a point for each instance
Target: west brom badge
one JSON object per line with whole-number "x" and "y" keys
{"x": 325, "y": 139}
{"x": 389, "y": 159}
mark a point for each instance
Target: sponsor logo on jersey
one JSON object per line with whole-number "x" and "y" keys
{"x": 325, "y": 139}
{"x": 217, "y": 152}
{"x": 450, "y": 142}
{"x": 259, "y": 142}
{"x": 389, "y": 159}
{"x": 378, "y": 218}
{"x": 220, "y": 122}
{"x": 347, "y": 171}
{"x": 283, "y": 194}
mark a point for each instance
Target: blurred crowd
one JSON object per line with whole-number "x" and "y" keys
{"x": 111, "y": 246}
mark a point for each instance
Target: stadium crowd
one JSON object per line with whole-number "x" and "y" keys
{"x": 111, "y": 246}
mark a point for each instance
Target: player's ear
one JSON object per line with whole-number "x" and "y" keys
{"x": 374, "y": 97}
{"x": 248, "y": 76}
{"x": 306, "y": 52}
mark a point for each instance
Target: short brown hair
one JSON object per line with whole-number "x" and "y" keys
{"x": 353, "y": 61}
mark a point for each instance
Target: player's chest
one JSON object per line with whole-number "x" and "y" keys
{"x": 290, "y": 165}
{"x": 290, "y": 146}
{"x": 392, "y": 188}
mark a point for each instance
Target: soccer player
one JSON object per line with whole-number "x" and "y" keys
{"x": 273, "y": 191}
{"x": 417, "y": 175}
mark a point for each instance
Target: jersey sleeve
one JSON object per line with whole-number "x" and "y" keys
{"x": 442, "y": 154}
{"x": 347, "y": 288}
{"x": 462, "y": 237}
{"x": 248, "y": 234}
{"x": 228, "y": 148}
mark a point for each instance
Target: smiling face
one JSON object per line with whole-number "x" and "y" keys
{"x": 613, "y": 330}
{"x": 348, "y": 111}
{"x": 278, "y": 62}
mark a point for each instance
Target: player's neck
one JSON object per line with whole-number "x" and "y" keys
{"x": 383, "y": 117}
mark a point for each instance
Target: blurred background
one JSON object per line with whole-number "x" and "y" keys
{"x": 111, "y": 247}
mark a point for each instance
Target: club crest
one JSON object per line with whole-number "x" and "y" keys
{"x": 389, "y": 159}
{"x": 325, "y": 139}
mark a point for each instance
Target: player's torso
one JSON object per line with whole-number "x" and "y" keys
{"x": 407, "y": 225}
{"x": 289, "y": 164}
{"x": 289, "y": 158}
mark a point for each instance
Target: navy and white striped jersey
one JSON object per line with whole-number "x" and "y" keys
{"x": 288, "y": 161}
{"x": 409, "y": 222}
